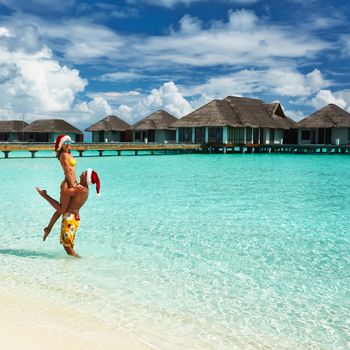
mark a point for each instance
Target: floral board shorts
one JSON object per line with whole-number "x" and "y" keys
{"x": 69, "y": 227}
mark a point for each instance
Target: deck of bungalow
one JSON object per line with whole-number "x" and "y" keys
{"x": 278, "y": 148}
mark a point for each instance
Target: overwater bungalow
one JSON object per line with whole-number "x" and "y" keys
{"x": 12, "y": 130}
{"x": 155, "y": 128}
{"x": 110, "y": 129}
{"x": 46, "y": 130}
{"x": 236, "y": 120}
{"x": 329, "y": 125}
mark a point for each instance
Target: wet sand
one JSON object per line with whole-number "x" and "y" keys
{"x": 28, "y": 323}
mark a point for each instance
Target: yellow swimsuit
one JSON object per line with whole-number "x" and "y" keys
{"x": 72, "y": 161}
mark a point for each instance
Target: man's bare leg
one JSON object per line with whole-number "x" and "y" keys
{"x": 70, "y": 251}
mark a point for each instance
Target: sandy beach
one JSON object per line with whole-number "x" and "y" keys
{"x": 28, "y": 323}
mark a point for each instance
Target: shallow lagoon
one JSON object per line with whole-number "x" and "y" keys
{"x": 193, "y": 251}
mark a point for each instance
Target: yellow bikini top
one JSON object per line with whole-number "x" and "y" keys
{"x": 72, "y": 161}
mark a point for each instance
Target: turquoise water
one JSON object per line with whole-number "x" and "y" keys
{"x": 193, "y": 251}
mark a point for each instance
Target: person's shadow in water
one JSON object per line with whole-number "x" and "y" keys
{"x": 23, "y": 253}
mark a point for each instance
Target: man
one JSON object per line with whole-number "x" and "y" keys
{"x": 70, "y": 214}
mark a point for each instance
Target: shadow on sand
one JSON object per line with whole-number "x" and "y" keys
{"x": 28, "y": 253}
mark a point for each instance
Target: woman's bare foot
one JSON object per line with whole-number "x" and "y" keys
{"x": 41, "y": 192}
{"x": 46, "y": 232}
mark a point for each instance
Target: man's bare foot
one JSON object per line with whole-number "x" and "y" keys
{"x": 70, "y": 251}
{"x": 46, "y": 233}
{"x": 41, "y": 192}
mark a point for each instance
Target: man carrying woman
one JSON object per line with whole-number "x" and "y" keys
{"x": 73, "y": 195}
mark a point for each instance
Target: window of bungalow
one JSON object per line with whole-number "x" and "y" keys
{"x": 3, "y": 136}
{"x": 238, "y": 135}
{"x": 230, "y": 134}
{"x": 150, "y": 135}
{"x": 305, "y": 135}
{"x": 248, "y": 135}
{"x": 348, "y": 135}
{"x": 215, "y": 134}
{"x": 200, "y": 135}
{"x": 272, "y": 135}
{"x": 235, "y": 135}
{"x": 185, "y": 135}
{"x": 137, "y": 136}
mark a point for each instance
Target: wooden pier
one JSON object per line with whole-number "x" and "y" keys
{"x": 153, "y": 148}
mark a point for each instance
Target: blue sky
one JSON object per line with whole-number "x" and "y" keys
{"x": 83, "y": 60}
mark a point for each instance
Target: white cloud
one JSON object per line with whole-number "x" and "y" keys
{"x": 49, "y": 5}
{"x": 295, "y": 115}
{"x": 4, "y": 32}
{"x": 31, "y": 80}
{"x": 243, "y": 20}
{"x": 172, "y": 3}
{"x": 325, "y": 97}
{"x": 167, "y": 97}
{"x": 97, "y": 105}
{"x": 113, "y": 95}
{"x": 243, "y": 38}
{"x": 126, "y": 113}
{"x": 120, "y": 76}
{"x": 282, "y": 82}
{"x": 345, "y": 44}
{"x": 115, "y": 98}
{"x": 190, "y": 25}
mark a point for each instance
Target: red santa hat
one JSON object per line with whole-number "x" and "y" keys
{"x": 92, "y": 179}
{"x": 60, "y": 140}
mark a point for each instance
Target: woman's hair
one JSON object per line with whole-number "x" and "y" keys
{"x": 58, "y": 154}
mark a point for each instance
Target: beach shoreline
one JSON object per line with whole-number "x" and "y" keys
{"x": 30, "y": 323}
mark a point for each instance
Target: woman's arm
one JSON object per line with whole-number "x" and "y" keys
{"x": 67, "y": 169}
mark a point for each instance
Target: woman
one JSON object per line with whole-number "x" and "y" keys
{"x": 68, "y": 163}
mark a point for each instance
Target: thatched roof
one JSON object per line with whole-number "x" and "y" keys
{"x": 237, "y": 112}
{"x": 51, "y": 125}
{"x": 330, "y": 116}
{"x": 160, "y": 120}
{"x": 12, "y": 125}
{"x": 275, "y": 112}
{"x": 214, "y": 113}
{"x": 110, "y": 123}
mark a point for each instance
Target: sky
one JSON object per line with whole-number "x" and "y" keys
{"x": 83, "y": 60}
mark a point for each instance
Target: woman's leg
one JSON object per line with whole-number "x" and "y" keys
{"x": 60, "y": 207}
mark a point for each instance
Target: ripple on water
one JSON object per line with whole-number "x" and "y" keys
{"x": 194, "y": 251}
